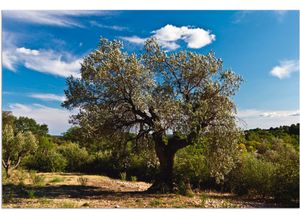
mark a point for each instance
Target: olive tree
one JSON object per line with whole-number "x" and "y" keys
{"x": 15, "y": 147}
{"x": 173, "y": 98}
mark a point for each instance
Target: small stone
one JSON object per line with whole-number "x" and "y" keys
{"x": 117, "y": 206}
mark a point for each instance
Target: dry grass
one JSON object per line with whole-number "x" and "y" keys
{"x": 63, "y": 190}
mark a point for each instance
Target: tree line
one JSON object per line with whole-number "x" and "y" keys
{"x": 266, "y": 164}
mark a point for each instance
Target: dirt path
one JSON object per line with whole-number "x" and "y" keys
{"x": 68, "y": 190}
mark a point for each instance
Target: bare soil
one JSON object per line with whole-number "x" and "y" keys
{"x": 69, "y": 190}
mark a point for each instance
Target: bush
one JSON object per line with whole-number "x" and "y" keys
{"x": 278, "y": 179}
{"x": 123, "y": 176}
{"x": 46, "y": 158}
{"x": 252, "y": 176}
{"x": 50, "y": 162}
{"x": 286, "y": 185}
{"x": 37, "y": 180}
{"x": 82, "y": 181}
{"x": 76, "y": 157}
{"x": 190, "y": 164}
{"x": 133, "y": 178}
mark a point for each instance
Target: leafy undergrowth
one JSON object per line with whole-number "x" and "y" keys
{"x": 69, "y": 190}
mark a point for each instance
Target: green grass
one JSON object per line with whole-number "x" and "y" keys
{"x": 155, "y": 203}
{"x": 123, "y": 176}
{"x": 56, "y": 179}
{"x": 68, "y": 205}
{"x": 31, "y": 194}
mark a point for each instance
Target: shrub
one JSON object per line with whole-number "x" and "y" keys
{"x": 47, "y": 158}
{"x": 252, "y": 176}
{"x": 75, "y": 156}
{"x": 31, "y": 194}
{"x": 56, "y": 179}
{"x": 51, "y": 161}
{"x": 286, "y": 184}
{"x": 37, "y": 180}
{"x": 133, "y": 178}
{"x": 82, "y": 181}
{"x": 190, "y": 164}
{"x": 123, "y": 176}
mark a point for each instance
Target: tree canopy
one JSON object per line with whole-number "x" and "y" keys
{"x": 173, "y": 98}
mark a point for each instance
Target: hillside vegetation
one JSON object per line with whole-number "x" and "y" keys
{"x": 266, "y": 167}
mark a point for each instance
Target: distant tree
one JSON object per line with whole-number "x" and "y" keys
{"x": 173, "y": 98}
{"x": 8, "y": 118}
{"x": 29, "y": 124}
{"x": 15, "y": 147}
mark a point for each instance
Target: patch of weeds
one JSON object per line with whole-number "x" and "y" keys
{"x": 179, "y": 206}
{"x": 56, "y": 179}
{"x": 68, "y": 205}
{"x": 203, "y": 199}
{"x": 37, "y": 180}
{"x": 155, "y": 203}
{"x": 227, "y": 204}
{"x": 44, "y": 201}
{"x": 123, "y": 176}
{"x": 184, "y": 188}
{"x": 82, "y": 181}
{"x": 31, "y": 194}
{"x": 21, "y": 176}
{"x": 133, "y": 178}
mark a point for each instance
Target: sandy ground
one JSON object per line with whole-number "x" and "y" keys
{"x": 69, "y": 190}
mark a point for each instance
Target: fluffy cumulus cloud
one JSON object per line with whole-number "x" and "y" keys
{"x": 285, "y": 69}
{"x": 52, "y": 62}
{"x": 194, "y": 37}
{"x": 57, "y": 119}
{"x": 47, "y": 97}
{"x": 169, "y": 35}
{"x": 253, "y": 118}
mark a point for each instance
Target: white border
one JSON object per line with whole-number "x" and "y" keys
{"x": 151, "y": 4}
{"x": 152, "y": 214}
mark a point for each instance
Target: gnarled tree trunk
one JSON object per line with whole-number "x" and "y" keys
{"x": 165, "y": 152}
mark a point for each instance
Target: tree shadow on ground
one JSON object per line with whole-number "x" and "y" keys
{"x": 71, "y": 191}
{"x": 98, "y": 193}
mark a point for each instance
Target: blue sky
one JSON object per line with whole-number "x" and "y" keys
{"x": 42, "y": 48}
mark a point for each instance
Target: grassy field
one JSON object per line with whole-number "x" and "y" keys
{"x": 69, "y": 190}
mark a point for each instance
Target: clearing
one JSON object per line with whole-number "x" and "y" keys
{"x": 70, "y": 190}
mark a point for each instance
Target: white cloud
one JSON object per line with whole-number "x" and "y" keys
{"x": 194, "y": 37}
{"x": 285, "y": 68}
{"x": 61, "y": 64}
{"x": 253, "y": 118}
{"x": 56, "y": 118}
{"x": 48, "y": 97}
{"x": 53, "y": 18}
{"x": 112, "y": 27}
{"x": 53, "y": 63}
{"x": 9, "y": 60}
{"x": 246, "y": 15}
{"x": 26, "y": 51}
{"x": 134, "y": 39}
{"x": 169, "y": 35}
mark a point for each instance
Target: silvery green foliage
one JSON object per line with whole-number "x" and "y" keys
{"x": 184, "y": 93}
{"x": 15, "y": 147}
